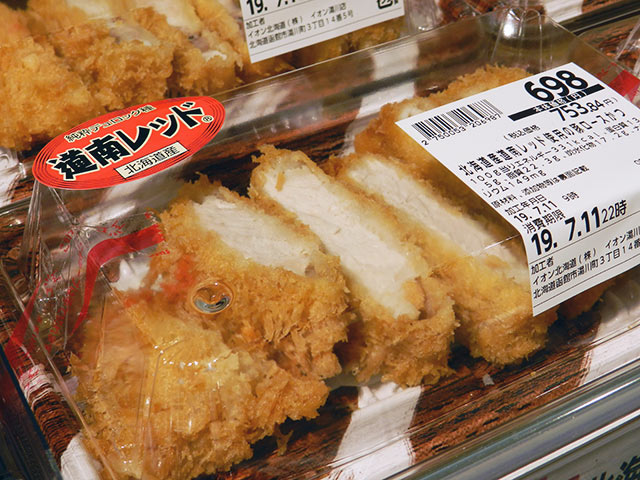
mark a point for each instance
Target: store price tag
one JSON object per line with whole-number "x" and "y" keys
{"x": 557, "y": 155}
{"x": 274, "y": 27}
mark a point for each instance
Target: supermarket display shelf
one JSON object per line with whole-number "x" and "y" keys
{"x": 554, "y": 425}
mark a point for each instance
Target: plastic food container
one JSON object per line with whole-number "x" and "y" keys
{"x": 137, "y": 55}
{"x": 144, "y": 51}
{"x": 618, "y": 40}
{"x": 479, "y": 419}
{"x": 558, "y": 10}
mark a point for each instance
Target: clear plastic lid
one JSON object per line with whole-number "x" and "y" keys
{"x": 289, "y": 319}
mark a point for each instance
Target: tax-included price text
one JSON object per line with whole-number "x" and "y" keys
{"x": 556, "y": 154}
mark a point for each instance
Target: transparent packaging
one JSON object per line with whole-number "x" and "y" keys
{"x": 617, "y": 38}
{"x": 628, "y": 50}
{"x": 106, "y": 55}
{"x": 559, "y": 10}
{"x": 165, "y": 354}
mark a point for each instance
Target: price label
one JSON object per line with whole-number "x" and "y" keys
{"x": 557, "y": 155}
{"x": 274, "y": 27}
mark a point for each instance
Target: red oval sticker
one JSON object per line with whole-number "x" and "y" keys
{"x": 129, "y": 144}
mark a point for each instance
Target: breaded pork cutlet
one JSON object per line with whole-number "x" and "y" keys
{"x": 488, "y": 281}
{"x": 121, "y": 63}
{"x": 167, "y": 397}
{"x": 303, "y": 330}
{"x": 406, "y": 322}
{"x": 350, "y": 42}
{"x": 29, "y": 114}
{"x": 174, "y": 392}
{"x": 218, "y": 18}
{"x": 203, "y": 61}
{"x": 383, "y": 136}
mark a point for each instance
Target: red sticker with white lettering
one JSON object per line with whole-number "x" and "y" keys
{"x": 129, "y": 144}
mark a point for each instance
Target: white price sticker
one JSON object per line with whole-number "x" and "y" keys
{"x": 274, "y": 27}
{"x": 558, "y": 155}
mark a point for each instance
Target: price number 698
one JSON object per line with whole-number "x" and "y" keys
{"x": 562, "y": 84}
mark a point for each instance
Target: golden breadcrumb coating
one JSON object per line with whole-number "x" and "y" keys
{"x": 203, "y": 62}
{"x": 405, "y": 336}
{"x": 300, "y": 318}
{"x": 119, "y": 64}
{"x": 493, "y": 307}
{"x": 174, "y": 393}
{"x": 383, "y": 136}
{"x": 29, "y": 113}
{"x": 351, "y": 42}
{"x": 217, "y": 19}
{"x": 167, "y": 397}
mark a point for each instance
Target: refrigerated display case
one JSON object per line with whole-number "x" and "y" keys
{"x": 539, "y": 419}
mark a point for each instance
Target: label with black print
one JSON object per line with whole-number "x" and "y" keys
{"x": 557, "y": 154}
{"x": 275, "y": 27}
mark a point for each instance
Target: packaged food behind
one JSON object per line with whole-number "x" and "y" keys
{"x": 321, "y": 118}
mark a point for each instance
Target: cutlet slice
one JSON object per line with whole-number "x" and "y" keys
{"x": 487, "y": 279}
{"x": 120, "y": 62}
{"x": 406, "y": 323}
{"x": 200, "y": 388}
{"x": 166, "y": 395}
{"x": 29, "y": 114}
{"x": 384, "y": 137}
{"x": 305, "y": 315}
{"x": 203, "y": 61}
{"x": 221, "y": 19}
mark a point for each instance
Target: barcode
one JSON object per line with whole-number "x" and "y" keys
{"x": 456, "y": 120}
